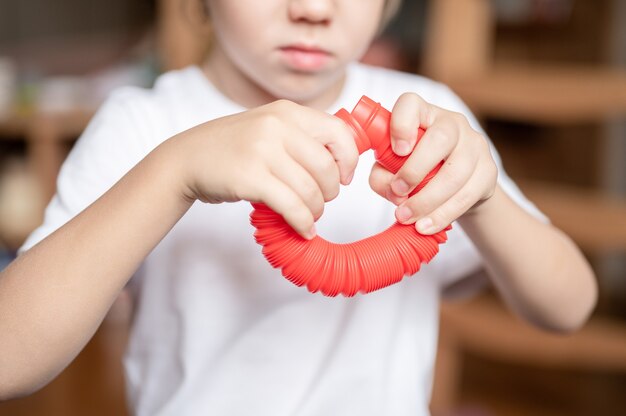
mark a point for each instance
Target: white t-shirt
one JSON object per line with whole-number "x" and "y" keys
{"x": 217, "y": 330}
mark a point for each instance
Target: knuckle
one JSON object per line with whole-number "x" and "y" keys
{"x": 268, "y": 121}
{"x": 402, "y": 129}
{"x": 410, "y": 174}
{"x": 441, "y": 139}
{"x": 328, "y": 164}
{"x": 480, "y": 140}
{"x": 248, "y": 172}
{"x": 492, "y": 168}
{"x": 292, "y": 207}
{"x": 310, "y": 192}
{"x": 340, "y": 127}
{"x": 254, "y": 146}
{"x": 282, "y": 104}
{"x": 410, "y": 96}
{"x": 298, "y": 215}
{"x": 332, "y": 192}
{"x": 459, "y": 118}
{"x": 452, "y": 179}
{"x": 445, "y": 214}
{"x": 346, "y": 141}
{"x": 463, "y": 201}
{"x": 476, "y": 147}
{"x": 327, "y": 167}
{"x": 259, "y": 149}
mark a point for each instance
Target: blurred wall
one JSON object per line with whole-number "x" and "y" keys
{"x": 71, "y": 36}
{"x": 25, "y": 20}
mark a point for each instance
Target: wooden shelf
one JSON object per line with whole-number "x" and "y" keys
{"x": 460, "y": 50}
{"x": 596, "y": 221}
{"x": 483, "y": 326}
{"x": 67, "y": 124}
{"x": 46, "y": 135}
{"x": 545, "y": 94}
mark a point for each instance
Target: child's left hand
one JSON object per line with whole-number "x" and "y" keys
{"x": 466, "y": 179}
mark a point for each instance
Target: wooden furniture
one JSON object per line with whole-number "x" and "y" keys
{"x": 571, "y": 210}
{"x": 47, "y": 137}
{"x": 546, "y": 94}
{"x": 459, "y": 52}
{"x": 183, "y": 33}
{"x": 484, "y": 328}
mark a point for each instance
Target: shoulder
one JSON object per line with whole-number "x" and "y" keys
{"x": 169, "y": 92}
{"x": 386, "y": 85}
{"x": 154, "y": 114}
{"x": 129, "y": 124}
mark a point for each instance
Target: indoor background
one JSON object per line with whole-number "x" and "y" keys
{"x": 547, "y": 79}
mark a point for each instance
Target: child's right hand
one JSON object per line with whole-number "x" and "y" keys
{"x": 289, "y": 157}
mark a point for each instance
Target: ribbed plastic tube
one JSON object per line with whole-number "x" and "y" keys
{"x": 362, "y": 266}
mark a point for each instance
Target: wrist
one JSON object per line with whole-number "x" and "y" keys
{"x": 484, "y": 209}
{"x": 170, "y": 157}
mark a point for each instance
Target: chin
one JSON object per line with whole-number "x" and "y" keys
{"x": 302, "y": 87}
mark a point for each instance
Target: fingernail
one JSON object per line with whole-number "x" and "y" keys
{"x": 399, "y": 187}
{"x": 311, "y": 233}
{"x": 403, "y": 213}
{"x": 425, "y": 225}
{"x": 402, "y": 148}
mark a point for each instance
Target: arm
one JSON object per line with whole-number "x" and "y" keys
{"x": 536, "y": 268}
{"x": 54, "y": 296}
{"x": 540, "y": 273}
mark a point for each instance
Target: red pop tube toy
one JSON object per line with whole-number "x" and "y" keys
{"x": 362, "y": 266}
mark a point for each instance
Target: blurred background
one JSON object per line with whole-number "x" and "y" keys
{"x": 547, "y": 79}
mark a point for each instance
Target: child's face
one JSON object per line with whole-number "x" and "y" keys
{"x": 293, "y": 49}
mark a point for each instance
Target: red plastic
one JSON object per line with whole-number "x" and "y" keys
{"x": 362, "y": 266}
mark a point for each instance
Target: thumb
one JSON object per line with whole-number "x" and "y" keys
{"x": 409, "y": 112}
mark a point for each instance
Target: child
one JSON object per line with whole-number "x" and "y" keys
{"x": 216, "y": 330}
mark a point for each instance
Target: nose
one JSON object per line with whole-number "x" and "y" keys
{"x": 311, "y": 11}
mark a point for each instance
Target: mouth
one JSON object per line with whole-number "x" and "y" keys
{"x": 305, "y": 58}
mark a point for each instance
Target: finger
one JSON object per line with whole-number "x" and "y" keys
{"x": 467, "y": 197}
{"x": 283, "y": 200}
{"x": 380, "y": 182}
{"x": 409, "y": 113}
{"x": 334, "y": 134}
{"x": 436, "y": 145}
{"x": 318, "y": 162}
{"x": 343, "y": 148}
{"x": 452, "y": 176}
{"x": 301, "y": 182}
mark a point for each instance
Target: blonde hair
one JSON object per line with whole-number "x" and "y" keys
{"x": 389, "y": 11}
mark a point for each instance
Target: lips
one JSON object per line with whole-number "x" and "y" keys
{"x": 305, "y": 58}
